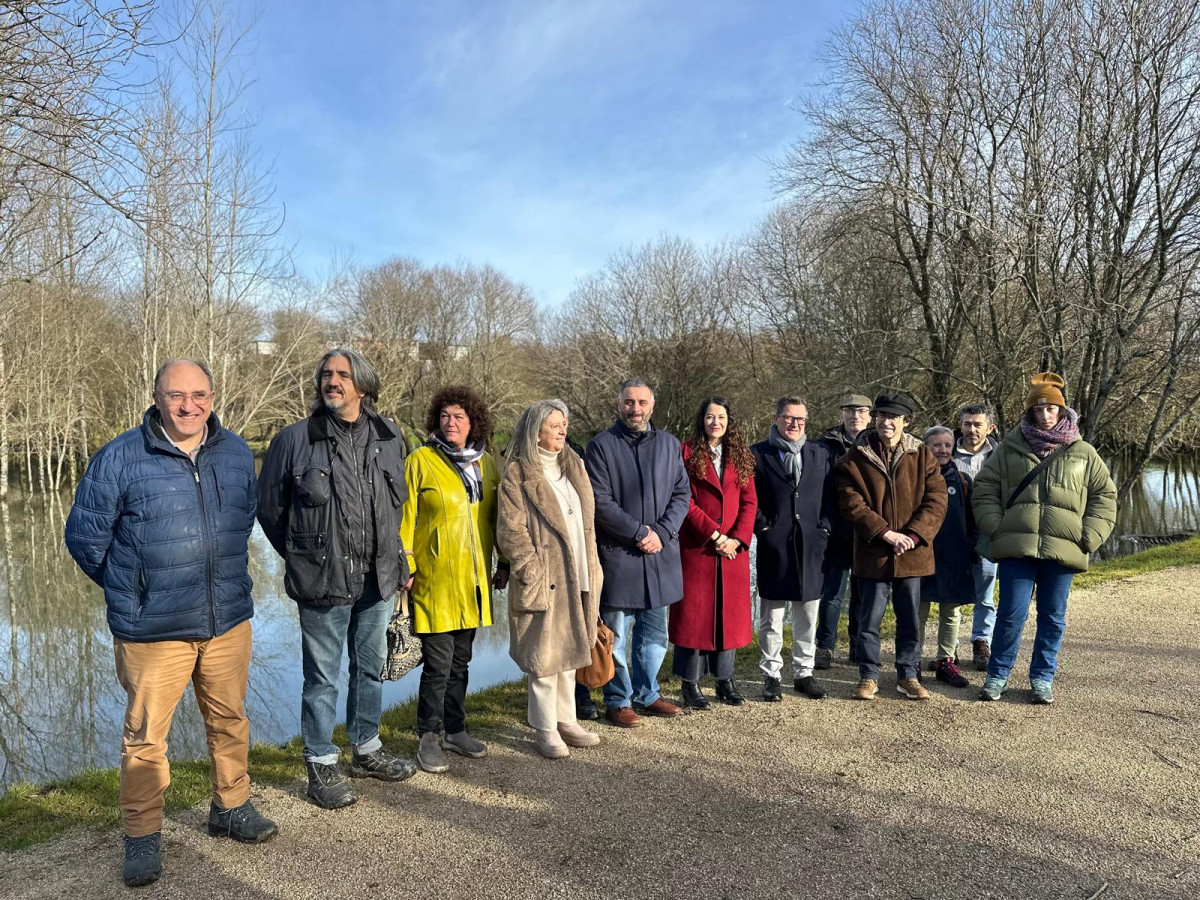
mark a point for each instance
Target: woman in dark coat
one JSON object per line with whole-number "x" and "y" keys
{"x": 713, "y": 619}
{"x": 952, "y": 584}
{"x": 795, "y": 509}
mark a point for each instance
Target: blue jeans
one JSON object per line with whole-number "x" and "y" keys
{"x": 324, "y": 631}
{"x": 1018, "y": 580}
{"x": 637, "y": 681}
{"x": 873, "y": 595}
{"x": 830, "y": 611}
{"x": 984, "y": 623}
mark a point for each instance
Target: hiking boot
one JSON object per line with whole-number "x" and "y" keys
{"x": 728, "y": 693}
{"x": 993, "y": 688}
{"x": 462, "y": 743}
{"x": 866, "y": 690}
{"x": 243, "y": 823}
{"x": 551, "y": 745}
{"x": 981, "y": 653}
{"x": 949, "y": 673}
{"x": 575, "y": 735}
{"x": 823, "y": 659}
{"x": 772, "y": 692}
{"x": 692, "y": 698}
{"x": 912, "y": 689}
{"x": 809, "y": 688}
{"x": 143, "y": 859}
{"x": 327, "y": 787}
{"x": 1042, "y": 691}
{"x": 381, "y": 765}
{"x": 429, "y": 754}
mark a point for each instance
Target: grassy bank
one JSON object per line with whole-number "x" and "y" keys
{"x": 32, "y": 813}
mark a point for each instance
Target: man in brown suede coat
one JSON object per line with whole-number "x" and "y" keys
{"x": 892, "y": 492}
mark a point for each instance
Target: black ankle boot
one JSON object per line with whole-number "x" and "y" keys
{"x": 727, "y": 692}
{"x": 692, "y": 698}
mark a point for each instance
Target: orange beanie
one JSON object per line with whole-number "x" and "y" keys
{"x": 1046, "y": 389}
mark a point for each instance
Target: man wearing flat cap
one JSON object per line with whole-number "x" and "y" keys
{"x": 891, "y": 490}
{"x": 856, "y": 416}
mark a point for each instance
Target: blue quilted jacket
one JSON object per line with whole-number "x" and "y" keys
{"x": 164, "y": 537}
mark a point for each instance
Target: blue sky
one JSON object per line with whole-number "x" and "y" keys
{"x": 537, "y": 136}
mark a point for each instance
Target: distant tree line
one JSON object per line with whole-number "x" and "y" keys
{"x": 983, "y": 190}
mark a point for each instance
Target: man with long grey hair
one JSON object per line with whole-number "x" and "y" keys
{"x": 329, "y": 500}
{"x": 546, "y": 529}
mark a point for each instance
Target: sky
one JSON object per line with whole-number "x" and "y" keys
{"x": 540, "y": 137}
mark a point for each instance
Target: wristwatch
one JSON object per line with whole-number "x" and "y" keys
{"x": 715, "y": 535}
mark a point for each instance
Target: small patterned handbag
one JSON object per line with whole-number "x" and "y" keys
{"x": 404, "y": 652}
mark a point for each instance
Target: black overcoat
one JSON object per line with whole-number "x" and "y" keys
{"x": 793, "y": 522}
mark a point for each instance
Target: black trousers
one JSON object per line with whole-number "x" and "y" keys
{"x": 441, "y": 698}
{"x": 690, "y": 664}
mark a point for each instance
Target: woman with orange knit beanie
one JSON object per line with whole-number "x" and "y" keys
{"x": 1044, "y": 500}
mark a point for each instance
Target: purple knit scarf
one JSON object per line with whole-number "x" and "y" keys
{"x": 1043, "y": 442}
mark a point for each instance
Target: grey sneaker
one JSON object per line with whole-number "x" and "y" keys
{"x": 993, "y": 688}
{"x": 823, "y": 659}
{"x": 382, "y": 765}
{"x": 429, "y": 754}
{"x": 465, "y": 744}
{"x": 143, "y": 859}
{"x": 327, "y": 787}
{"x": 1043, "y": 691}
{"x": 242, "y": 823}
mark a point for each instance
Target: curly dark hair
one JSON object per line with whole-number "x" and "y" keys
{"x": 472, "y": 404}
{"x": 737, "y": 451}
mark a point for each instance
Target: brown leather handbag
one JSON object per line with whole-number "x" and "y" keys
{"x": 600, "y": 670}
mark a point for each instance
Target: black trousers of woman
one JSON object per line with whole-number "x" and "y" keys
{"x": 441, "y": 698}
{"x": 690, "y": 664}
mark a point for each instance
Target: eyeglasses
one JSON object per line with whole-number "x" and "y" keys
{"x": 200, "y": 398}
{"x": 793, "y": 420}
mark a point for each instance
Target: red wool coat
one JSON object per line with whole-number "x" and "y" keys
{"x": 728, "y": 508}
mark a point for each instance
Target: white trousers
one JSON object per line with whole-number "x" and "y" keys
{"x": 552, "y": 700}
{"x": 804, "y": 636}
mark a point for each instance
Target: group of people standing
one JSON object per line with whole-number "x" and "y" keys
{"x": 638, "y": 533}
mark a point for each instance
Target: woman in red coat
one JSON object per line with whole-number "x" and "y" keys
{"x": 713, "y": 619}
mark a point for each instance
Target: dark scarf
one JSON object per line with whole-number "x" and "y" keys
{"x": 791, "y": 451}
{"x": 464, "y": 459}
{"x": 1043, "y": 442}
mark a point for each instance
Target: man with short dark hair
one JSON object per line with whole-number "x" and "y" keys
{"x": 856, "y": 416}
{"x": 161, "y": 521}
{"x": 642, "y": 494}
{"x": 329, "y": 501}
{"x": 976, "y": 425}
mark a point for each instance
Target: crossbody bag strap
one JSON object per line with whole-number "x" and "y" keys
{"x": 1032, "y": 474}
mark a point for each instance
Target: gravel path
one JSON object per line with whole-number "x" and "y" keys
{"x": 1095, "y": 797}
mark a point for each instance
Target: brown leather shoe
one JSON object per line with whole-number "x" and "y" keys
{"x": 622, "y": 717}
{"x": 662, "y": 708}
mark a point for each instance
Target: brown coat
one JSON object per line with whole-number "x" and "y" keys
{"x": 908, "y": 497}
{"x": 552, "y": 624}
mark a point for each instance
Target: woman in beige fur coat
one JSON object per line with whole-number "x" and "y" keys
{"x": 546, "y": 531}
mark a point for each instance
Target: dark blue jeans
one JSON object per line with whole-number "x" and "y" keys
{"x": 1019, "y": 579}
{"x": 906, "y": 601}
{"x": 324, "y": 632}
{"x": 829, "y": 613}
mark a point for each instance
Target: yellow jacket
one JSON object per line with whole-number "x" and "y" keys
{"x": 449, "y": 543}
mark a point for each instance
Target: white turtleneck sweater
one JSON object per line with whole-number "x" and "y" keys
{"x": 568, "y": 502}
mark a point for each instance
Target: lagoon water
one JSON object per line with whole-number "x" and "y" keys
{"x": 61, "y": 706}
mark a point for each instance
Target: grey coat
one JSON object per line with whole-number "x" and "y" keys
{"x": 552, "y": 623}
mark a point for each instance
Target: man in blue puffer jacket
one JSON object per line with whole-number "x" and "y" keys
{"x": 161, "y": 521}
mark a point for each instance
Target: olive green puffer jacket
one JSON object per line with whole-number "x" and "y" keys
{"x": 1064, "y": 514}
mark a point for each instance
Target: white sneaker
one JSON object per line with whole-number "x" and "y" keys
{"x": 550, "y": 745}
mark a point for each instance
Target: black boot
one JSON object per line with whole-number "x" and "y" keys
{"x": 809, "y": 688}
{"x": 242, "y": 823}
{"x": 692, "y": 698}
{"x": 327, "y": 787}
{"x": 143, "y": 859}
{"x": 727, "y": 692}
{"x": 772, "y": 692}
{"x": 585, "y": 706}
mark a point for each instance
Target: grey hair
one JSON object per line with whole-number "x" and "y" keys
{"x": 633, "y": 382}
{"x": 784, "y": 402}
{"x": 978, "y": 409}
{"x": 524, "y": 443}
{"x": 198, "y": 363}
{"x": 935, "y": 430}
{"x": 362, "y": 373}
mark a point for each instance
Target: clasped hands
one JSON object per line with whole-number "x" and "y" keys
{"x": 900, "y": 542}
{"x": 651, "y": 543}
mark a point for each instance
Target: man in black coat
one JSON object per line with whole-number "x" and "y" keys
{"x": 329, "y": 500}
{"x": 856, "y": 415}
{"x": 793, "y": 523}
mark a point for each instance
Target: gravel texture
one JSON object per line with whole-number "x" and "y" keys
{"x": 1095, "y": 797}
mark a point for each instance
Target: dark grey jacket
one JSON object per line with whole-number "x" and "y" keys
{"x": 312, "y": 512}
{"x": 638, "y": 480}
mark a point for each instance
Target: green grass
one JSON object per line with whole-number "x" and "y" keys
{"x": 30, "y": 814}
